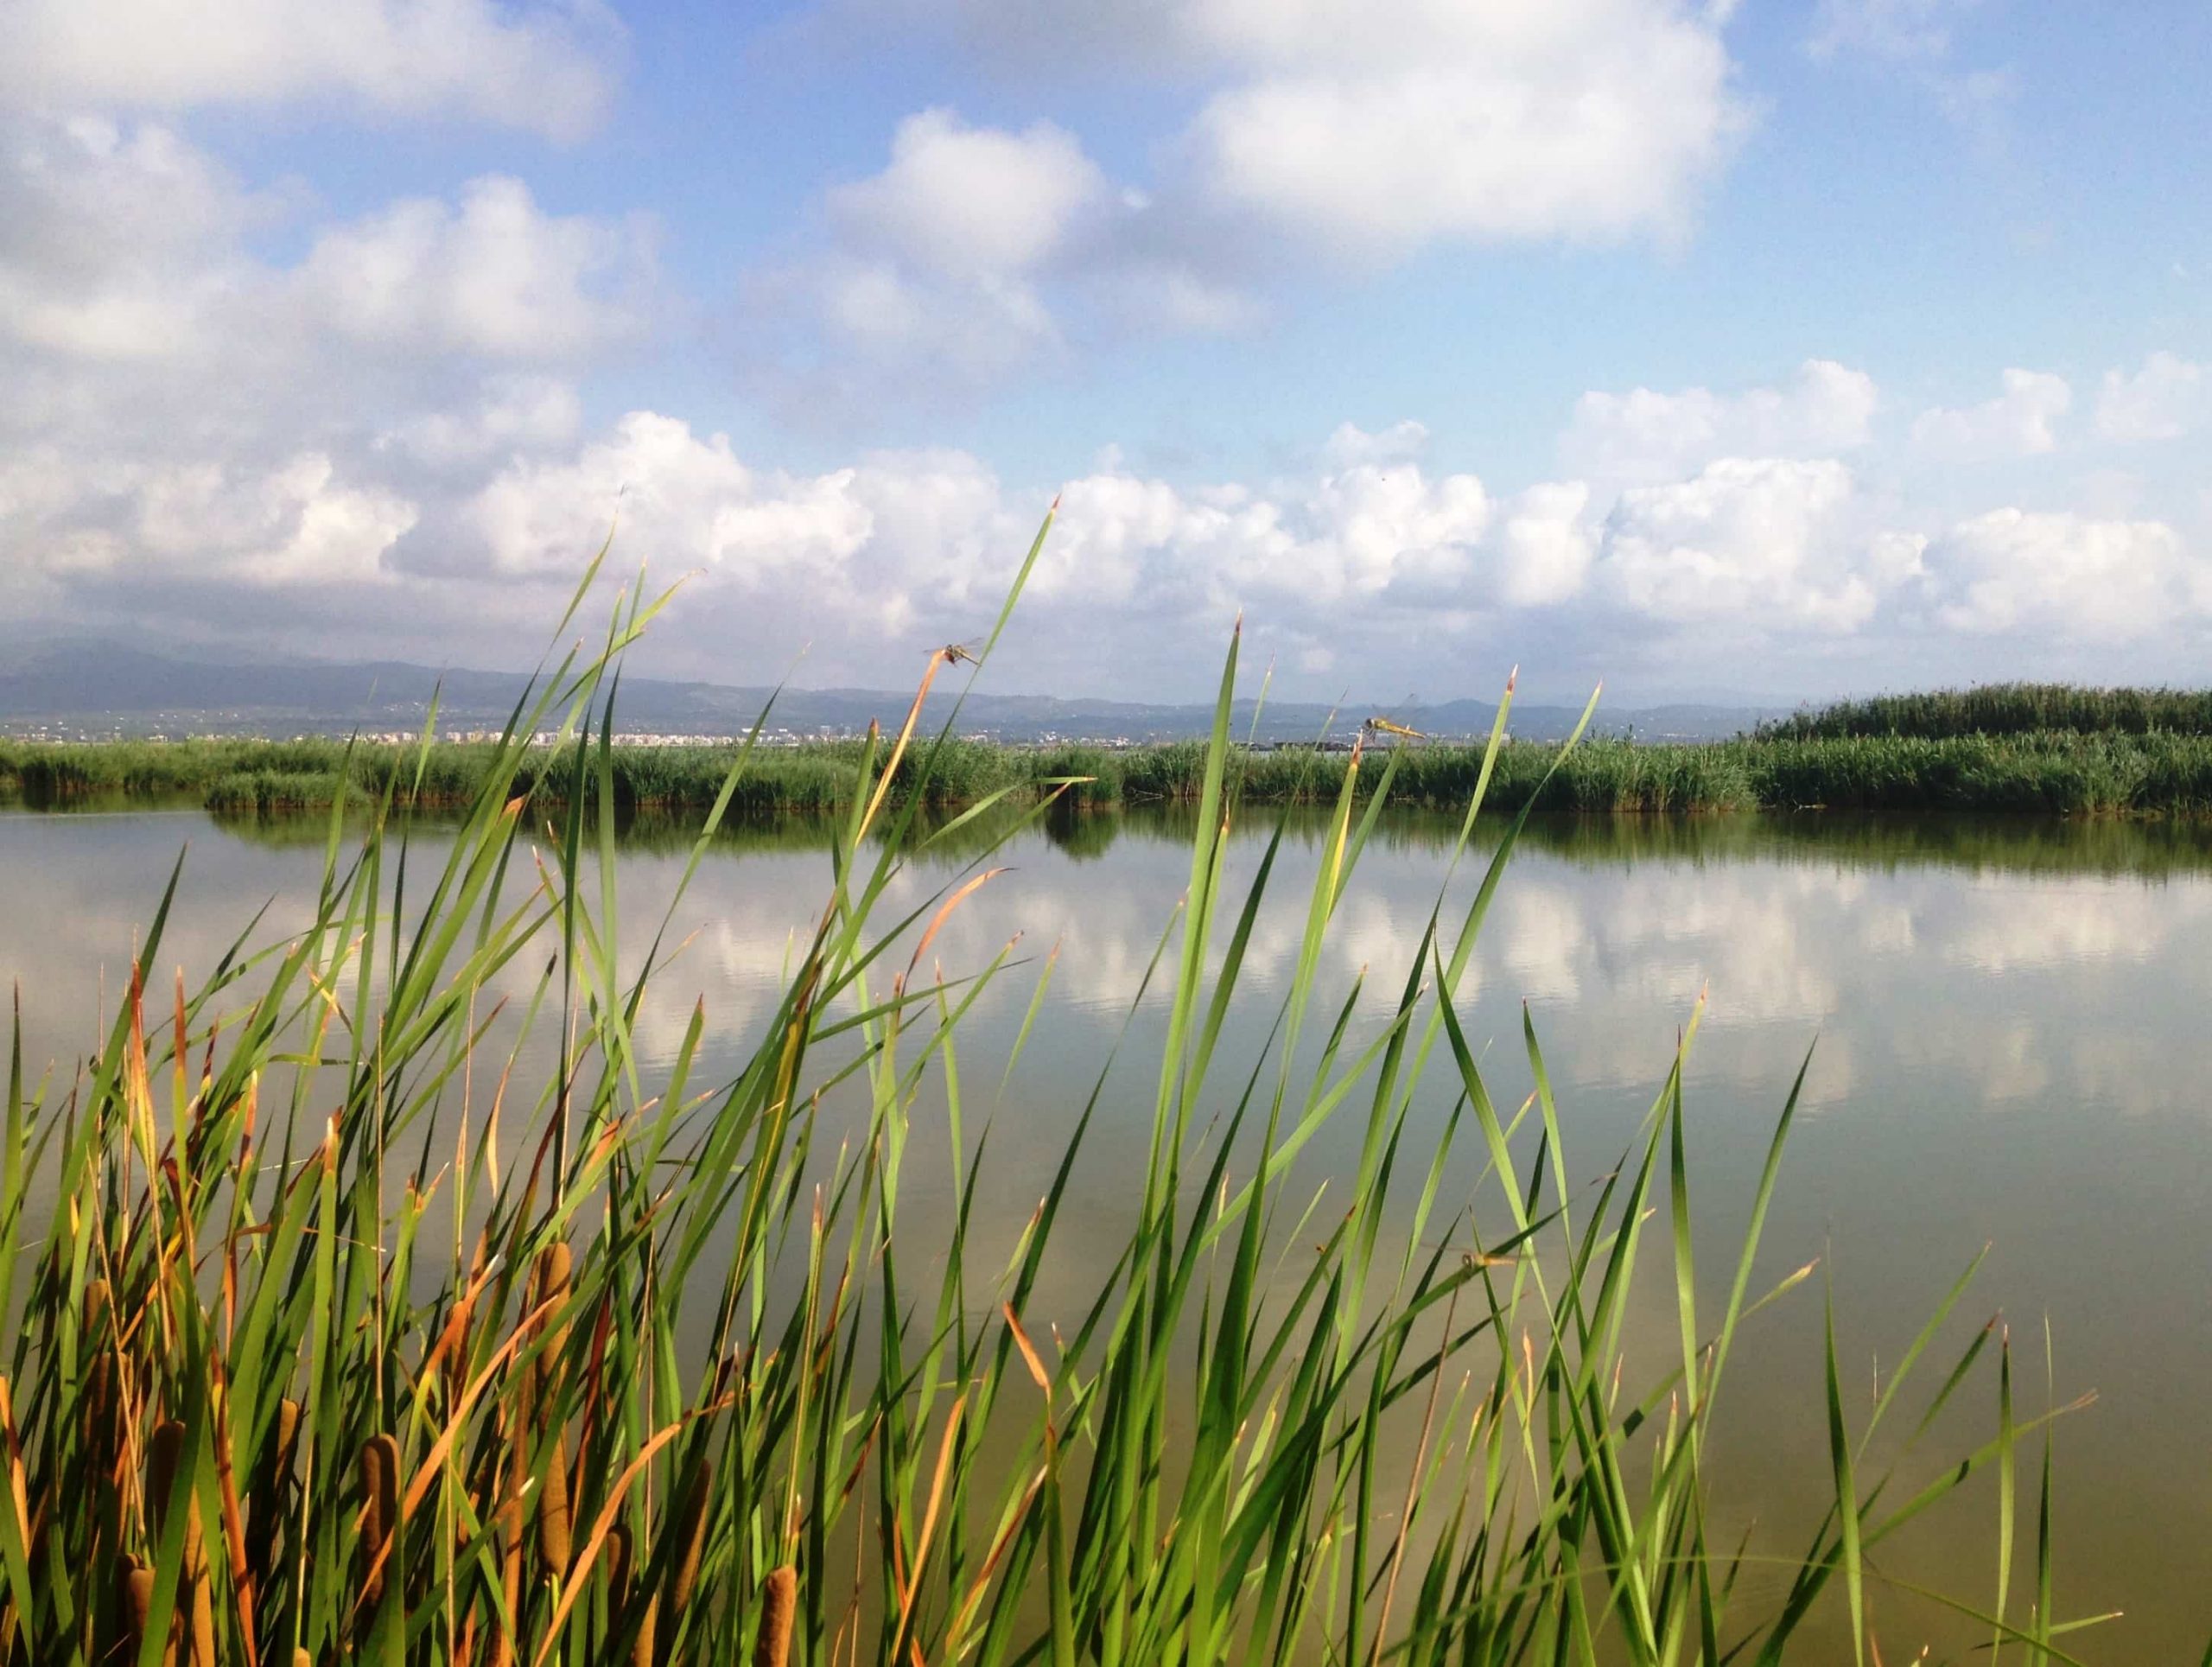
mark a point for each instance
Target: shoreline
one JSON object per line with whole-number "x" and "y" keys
{"x": 2100, "y": 774}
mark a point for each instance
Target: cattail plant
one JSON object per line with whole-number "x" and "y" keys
{"x": 336, "y": 1338}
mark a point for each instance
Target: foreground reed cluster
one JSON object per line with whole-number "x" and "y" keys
{"x": 336, "y": 1339}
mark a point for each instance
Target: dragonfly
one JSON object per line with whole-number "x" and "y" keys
{"x": 955, "y": 652}
{"x": 1379, "y": 725}
{"x": 1384, "y": 726}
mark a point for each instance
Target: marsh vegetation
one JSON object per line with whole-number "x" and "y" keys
{"x": 336, "y": 1338}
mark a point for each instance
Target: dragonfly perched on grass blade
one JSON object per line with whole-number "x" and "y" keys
{"x": 1380, "y": 725}
{"x": 1384, "y": 726}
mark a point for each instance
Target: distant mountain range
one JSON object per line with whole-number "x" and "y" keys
{"x": 89, "y": 688}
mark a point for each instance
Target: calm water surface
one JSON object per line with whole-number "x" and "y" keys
{"x": 2014, "y": 1047}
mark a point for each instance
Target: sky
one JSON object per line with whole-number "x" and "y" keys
{"x": 1741, "y": 352}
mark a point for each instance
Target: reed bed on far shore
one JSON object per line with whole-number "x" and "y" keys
{"x": 2052, "y": 772}
{"x": 332, "y": 1340}
{"x": 2005, "y": 709}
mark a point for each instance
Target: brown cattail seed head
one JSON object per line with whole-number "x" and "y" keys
{"x": 380, "y": 1512}
{"x": 691, "y": 1534}
{"x": 162, "y": 1456}
{"x": 779, "y": 1604}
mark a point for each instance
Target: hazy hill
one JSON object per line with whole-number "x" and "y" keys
{"x": 98, "y": 688}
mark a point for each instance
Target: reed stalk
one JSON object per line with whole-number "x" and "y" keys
{"x": 713, "y": 1385}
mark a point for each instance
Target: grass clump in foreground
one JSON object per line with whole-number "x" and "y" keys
{"x": 319, "y": 1358}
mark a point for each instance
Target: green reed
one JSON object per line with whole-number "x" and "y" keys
{"x": 2005, "y": 708}
{"x": 2057, "y": 771}
{"x": 334, "y": 1341}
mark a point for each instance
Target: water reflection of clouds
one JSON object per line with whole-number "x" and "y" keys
{"x": 2005, "y": 1053}
{"x": 1611, "y": 955}
{"x": 2010, "y": 924}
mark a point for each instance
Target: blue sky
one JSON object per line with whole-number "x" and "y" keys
{"x": 1752, "y": 351}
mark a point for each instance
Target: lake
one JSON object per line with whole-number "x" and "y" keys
{"x": 2010, "y": 1043}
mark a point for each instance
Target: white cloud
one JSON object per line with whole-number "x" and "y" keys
{"x": 1758, "y": 542}
{"x": 1373, "y": 130}
{"x": 1363, "y": 532}
{"x": 898, "y": 534}
{"x": 968, "y": 202}
{"x": 1547, "y": 544}
{"x": 536, "y": 66}
{"x": 1914, "y": 39}
{"x": 976, "y": 331}
{"x": 391, "y": 429}
{"x": 2163, "y": 401}
{"x": 513, "y": 414}
{"x": 1144, "y": 294}
{"x": 2019, "y": 423}
{"x": 1381, "y": 525}
{"x": 123, "y": 244}
{"x": 493, "y": 275}
{"x": 681, "y": 502}
{"x": 973, "y": 255}
{"x": 1343, "y": 132}
{"x": 1643, "y": 436}
{"x": 116, "y": 240}
{"x": 1371, "y": 127}
{"x": 471, "y": 517}
{"x": 1352, "y": 445}
{"x": 1899, "y": 30}
{"x": 207, "y": 429}
{"x": 2010, "y": 570}
{"x": 295, "y": 523}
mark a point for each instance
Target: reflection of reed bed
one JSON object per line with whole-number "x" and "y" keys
{"x": 433, "y": 1364}
{"x": 2148, "y": 847}
{"x": 270, "y": 791}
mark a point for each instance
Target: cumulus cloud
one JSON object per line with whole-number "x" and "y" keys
{"x": 1332, "y": 134}
{"x": 491, "y": 275}
{"x": 1546, "y": 543}
{"x": 1374, "y": 134}
{"x": 191, "y": 422}
{"x": 390, "y": 427}
{"x": 1352, "y": 445}
{"x": 2163, "y": 401}
{"x": 1371, "y": 129}
{"x": 2016, "y": 571}
{"x": 124, "y": 243}
{"x": 474, "y": 519}
{"x": 2019, "y": 423}
{"x": 536, "y": 66}
{"x": 1752, "y": 541}
{"x": 681, "y": 501}
{"x": 117, "y": 240}
{"x": 965, "y": 200}
{"x": 896, "y": 535}
{"x": 1643, "y": 436}
{"x": 510, "y": 414}
{"x": 973, "y": 255}
{"x": 298, "y": 522}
